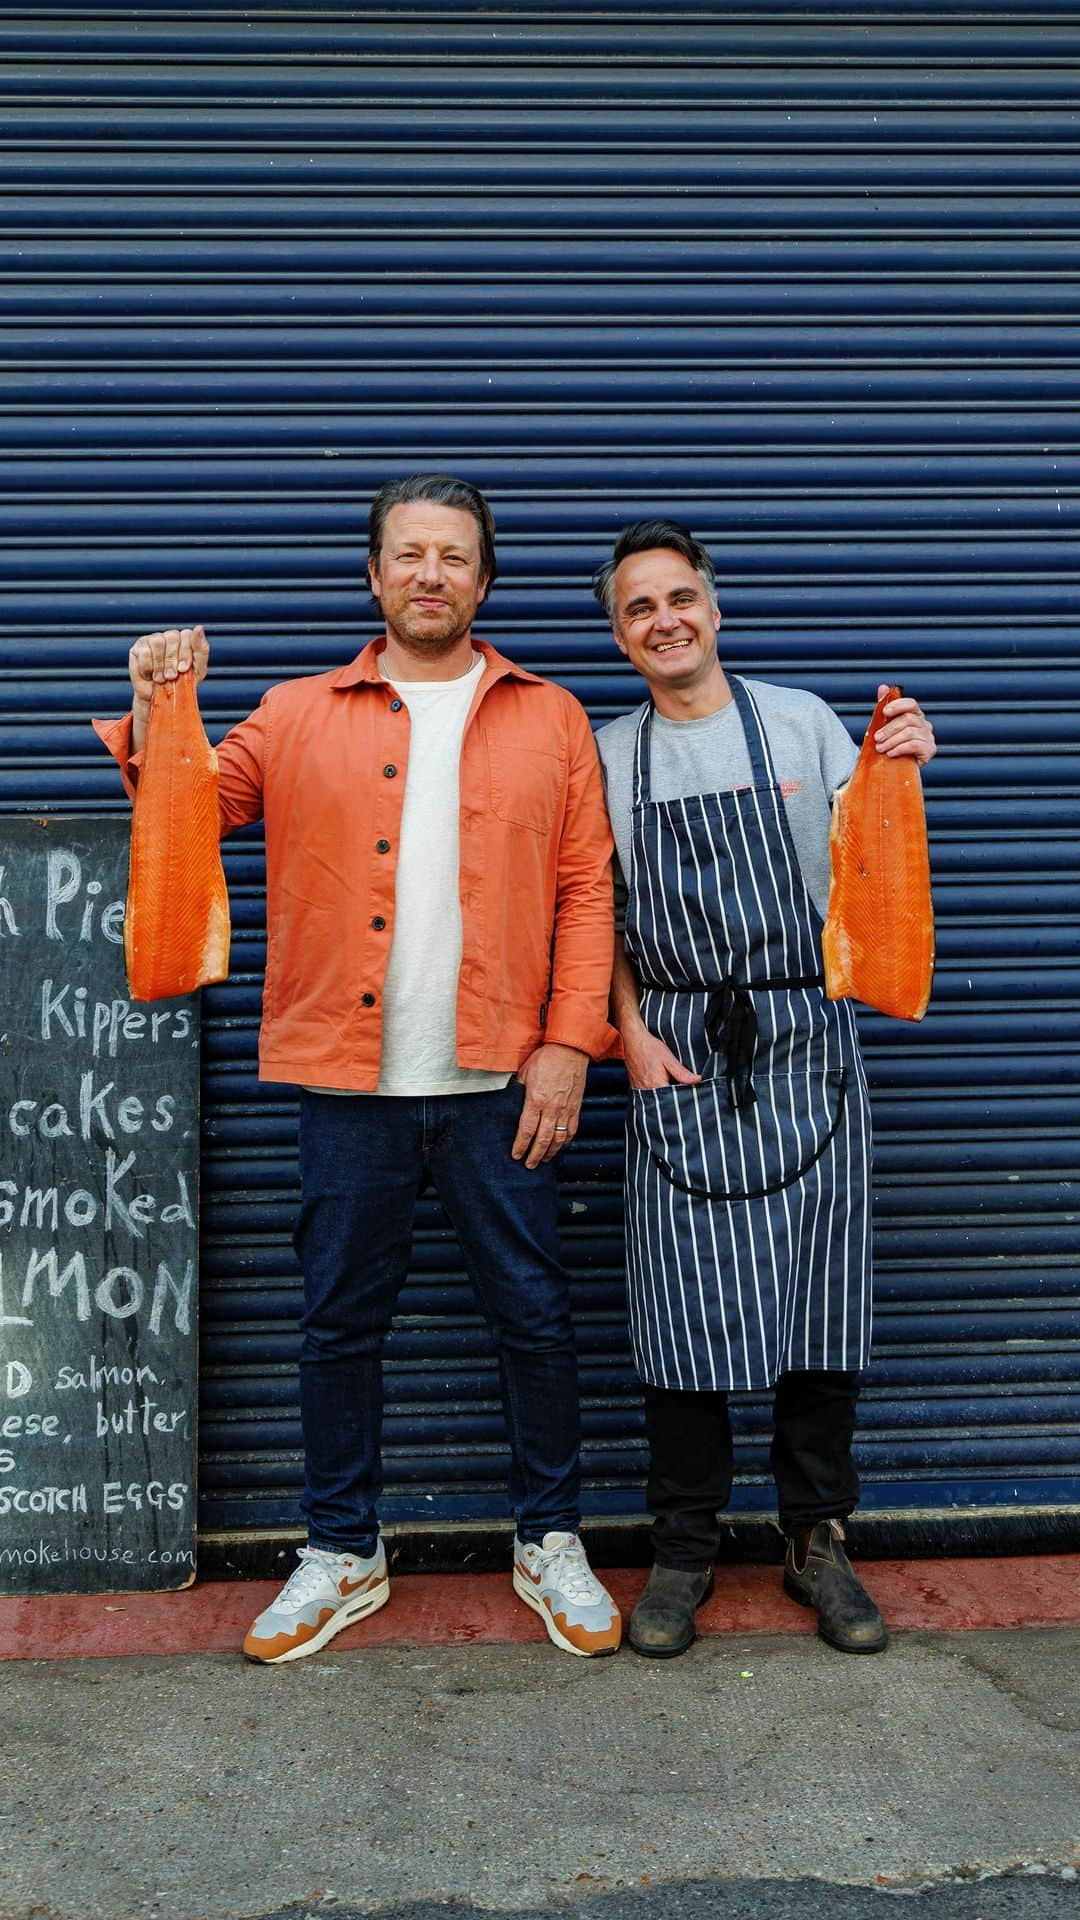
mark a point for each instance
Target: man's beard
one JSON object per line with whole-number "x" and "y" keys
{"x": 419, "y": 634}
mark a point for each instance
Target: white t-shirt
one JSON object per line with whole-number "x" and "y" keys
{"x": 419, "y": 1031}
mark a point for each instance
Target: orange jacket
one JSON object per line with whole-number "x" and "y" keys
{"x": 322, "y": 761}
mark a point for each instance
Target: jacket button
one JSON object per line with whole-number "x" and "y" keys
{"x": 390, "y": 770}
{"x": 367, "y": 999}
{"x": 378, "y": 923}
{"x": 395, "y": 706}
{"x": 382, "y": 846}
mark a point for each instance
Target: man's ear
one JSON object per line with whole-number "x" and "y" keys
{"x": 619, "y": 641}
{"x": 373, "y": 577}
{"x": 716, "y": 615}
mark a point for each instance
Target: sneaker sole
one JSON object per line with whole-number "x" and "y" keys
{"x": 842, "y": 1646}
{"x": 527, "y": 1592}
{"x": 346, "y": 1616}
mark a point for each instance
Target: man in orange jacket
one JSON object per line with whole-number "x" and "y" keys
{"x": 439, "y": 921}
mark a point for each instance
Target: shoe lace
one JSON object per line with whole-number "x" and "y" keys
{"x": 569, "y": 1570}
{"x": 305, "y": 1580}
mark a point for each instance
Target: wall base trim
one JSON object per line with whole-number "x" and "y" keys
{"x": 484, "y": 1546}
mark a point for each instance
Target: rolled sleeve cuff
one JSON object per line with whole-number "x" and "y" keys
{"x": 116, "y": 735}
{"x": 570, "y": 1027}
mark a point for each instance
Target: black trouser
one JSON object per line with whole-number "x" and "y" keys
{"x": 690, "y": 1462}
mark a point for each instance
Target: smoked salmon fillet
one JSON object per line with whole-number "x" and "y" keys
{"x": 878, "y": 938}
{"x": 176, "y": 927}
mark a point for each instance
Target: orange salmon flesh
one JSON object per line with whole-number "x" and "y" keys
{"x": 176, "y": 927}
{"x": 878, "y": 938}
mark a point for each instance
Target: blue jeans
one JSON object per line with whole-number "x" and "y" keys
{"x": 363, "y": 1162}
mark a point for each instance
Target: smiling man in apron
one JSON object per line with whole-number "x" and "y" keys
{"x": 748, "y": 1137}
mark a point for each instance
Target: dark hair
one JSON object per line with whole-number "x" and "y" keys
{"x": 643, "y": 535}
{"x": 444, "y": 491}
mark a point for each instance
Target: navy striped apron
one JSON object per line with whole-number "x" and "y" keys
{"x": 748, "y": 1197}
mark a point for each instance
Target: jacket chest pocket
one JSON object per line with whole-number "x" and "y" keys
{"x": 526, "y": 785}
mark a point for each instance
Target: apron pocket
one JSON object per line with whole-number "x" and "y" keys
{"x": 707, "y": 1150}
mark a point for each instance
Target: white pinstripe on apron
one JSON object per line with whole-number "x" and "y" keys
{"x": 748, "y": 1197}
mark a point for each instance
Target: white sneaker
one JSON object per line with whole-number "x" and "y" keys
{"x": 557, "y": 1582}
{"x": 325, "y": 1593}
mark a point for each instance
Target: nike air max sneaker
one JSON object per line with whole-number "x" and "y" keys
{"x": 325, "y": 1593}
{"x": 557, "y": 1582}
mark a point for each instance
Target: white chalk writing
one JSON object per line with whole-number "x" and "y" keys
{"x": 98, "y": 1124}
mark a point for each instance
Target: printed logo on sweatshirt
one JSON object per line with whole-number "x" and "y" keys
{"x": 787, "y": 788}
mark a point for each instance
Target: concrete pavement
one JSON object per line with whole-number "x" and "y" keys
{"x": 760, "y": 1774}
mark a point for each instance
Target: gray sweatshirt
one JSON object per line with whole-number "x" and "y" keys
{"x": 812, "y": 751}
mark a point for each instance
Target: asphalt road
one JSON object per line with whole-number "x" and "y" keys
{"x": 764, "y": 1776}
{"x": 1017, "y": 1898}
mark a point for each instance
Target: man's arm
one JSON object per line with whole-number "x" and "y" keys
{"x": 154, "y": 659}
{"x": 577, "y": 1028}
{"x": 584, "y": 906}
{"x": 649, "y": 1063}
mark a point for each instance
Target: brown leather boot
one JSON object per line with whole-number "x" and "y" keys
{"x": 818, "y": 1574}
{"x": 662, "y": 1623}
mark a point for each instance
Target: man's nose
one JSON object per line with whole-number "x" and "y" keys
{"x": 665, "y": 619}
{"x": 431, "y": 566}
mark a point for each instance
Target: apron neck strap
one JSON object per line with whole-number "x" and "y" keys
{"x": 762, "y": 771}
{"x": 643, "y": 758}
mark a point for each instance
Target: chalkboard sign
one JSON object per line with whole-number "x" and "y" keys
{"x": 98, "y": 1243}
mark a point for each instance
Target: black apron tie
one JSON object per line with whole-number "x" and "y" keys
{"x": 731, "y": 1025}
{"x": 730, "y": 1017}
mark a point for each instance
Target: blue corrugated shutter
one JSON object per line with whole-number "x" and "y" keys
{"x": 806, "y": 278}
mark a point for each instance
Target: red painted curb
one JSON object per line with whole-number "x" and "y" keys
{"x": 481, "y": 1610}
